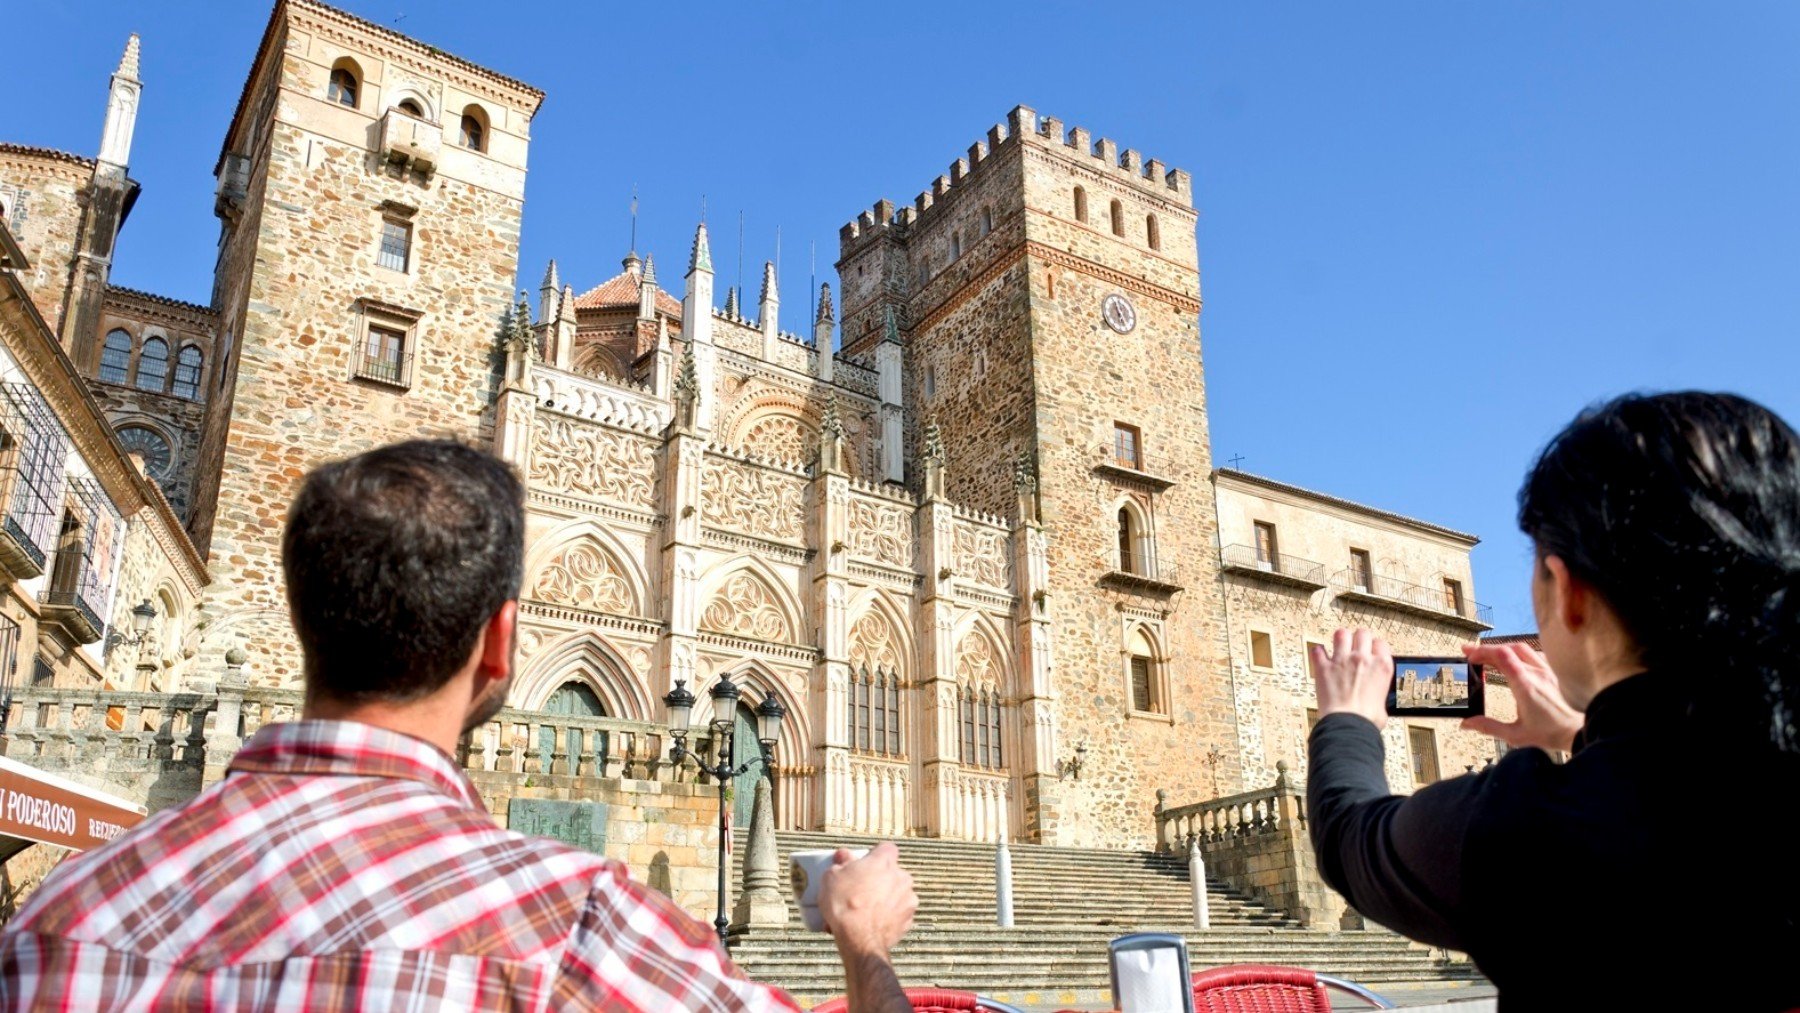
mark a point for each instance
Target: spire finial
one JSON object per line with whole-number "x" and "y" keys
{"x": 701, "y": 257}
{"x": 769, "y": 288}
{"x": 832, "y": 424}
{"x": 934, "y": 442}
{"x": 566, "y": 309}
{"x": 550, "y": 279}
{"x": 1024, "y": 474}
{"x": 893, "y": 326}
{"x": 649, "y": 269}
{"x": 825, "y": 311}
{"x": 731, "y": 302}
{"x": 128, "y": 63}
{"x": 687, "y": 382}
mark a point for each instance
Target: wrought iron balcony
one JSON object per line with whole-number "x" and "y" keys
{"x": 1415, "y": 599}
{"x": 393, "y": 371}
{"x": 69, "y": 610}
{"x": 1112, "y": 466}
{"x": 1276, "y": 568}
{"x": 1146, "y": 577}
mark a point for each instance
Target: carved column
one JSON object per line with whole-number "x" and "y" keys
{"x": 1031, "y": 645}
{"x": 831, "y": 678}
{"x": 683, "y": 456}
{"x": 937, "y": 654}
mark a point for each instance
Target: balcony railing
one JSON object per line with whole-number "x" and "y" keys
{"x": 395, "y": 371}
{"x": 69, "y": 610}
{"x": 1154, "y": 577}
{"x": 1115, "y": 467}
{"x": 1422, "y": 599}
{"x": 1279, "y": 566}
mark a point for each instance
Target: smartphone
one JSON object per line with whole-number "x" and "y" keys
{"x": 1436, "y": 688}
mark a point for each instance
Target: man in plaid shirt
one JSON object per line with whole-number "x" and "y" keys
{"x": 346, "y": 862}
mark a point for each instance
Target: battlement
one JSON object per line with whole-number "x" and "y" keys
{"x": 1023, "y": 123}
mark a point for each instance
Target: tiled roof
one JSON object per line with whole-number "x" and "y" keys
{"x": 161, "y": 300}
{"x": 1269, "y": 483}
{"x": 1513, "y": 638}
{"x": 51, "y": 153}
{"x": 622, "y": 290}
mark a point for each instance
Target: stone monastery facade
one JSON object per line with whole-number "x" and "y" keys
{"x": 964, "y": 523}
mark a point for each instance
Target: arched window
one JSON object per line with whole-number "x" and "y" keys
{"x": 874, "y": 703}
{"x": 473, "y": 134}
{"x": 345, "y": 84}
{"x": 1080, "y": 204}
{"x": 1153, "y": 232}
{"x": 1141, "y": 661}
{"x": 1128, "y": 561}
{"x": 1118, "y": 218}
{"x": 153, "y": 365}
{"x": 979, "y": 712}
{"x": 187, "y": 372}
{"x": 115, "y": 357}
{"x": 412, "y": 108}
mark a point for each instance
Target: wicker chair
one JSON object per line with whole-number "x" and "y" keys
{"x": 933, "y": 1000}
{"x": 1267, "y": 988}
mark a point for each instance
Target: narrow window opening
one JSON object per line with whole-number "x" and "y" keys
{"x": 1080, "y": 204}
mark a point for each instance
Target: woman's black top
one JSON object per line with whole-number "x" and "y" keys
{"x": 1659, "y": 865}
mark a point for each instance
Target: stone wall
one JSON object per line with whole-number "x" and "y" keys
{"x": 41, "y": 191}
{"x": 308, "y": 292}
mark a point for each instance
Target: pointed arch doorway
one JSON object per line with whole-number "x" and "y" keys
{"x": 574, "y": 698}
{"x": 743, "y": 787}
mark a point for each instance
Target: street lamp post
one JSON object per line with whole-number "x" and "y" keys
{"x": 724, "y": 699}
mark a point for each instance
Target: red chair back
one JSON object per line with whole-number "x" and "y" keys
{"x": 924, "y": 1000}
{"x": 1259, "y": 988}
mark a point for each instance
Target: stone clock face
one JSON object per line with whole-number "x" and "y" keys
{"x": 151, "y": 445}
{"x": 1118, "y": 313}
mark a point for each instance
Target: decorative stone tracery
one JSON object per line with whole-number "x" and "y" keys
{"x": 574, "y": 457}
{"x": 751, "y": 500}
{"x": 781, "y": 438}
{"x": 981, "y": 556}
{"x": 584, "y": 575}
{"x": 880, "y": 532}
{"x": 745, "y": 607}
{"x": 873, "y": 644}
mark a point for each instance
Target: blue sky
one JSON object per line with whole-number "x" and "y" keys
{"x": 1429, "y": 232}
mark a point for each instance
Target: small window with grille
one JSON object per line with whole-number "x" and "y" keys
{"x": 396, "y": 245}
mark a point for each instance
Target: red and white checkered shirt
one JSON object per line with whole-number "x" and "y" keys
{"x": 344, "y": 867}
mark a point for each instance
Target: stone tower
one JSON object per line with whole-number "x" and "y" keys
{"x": 1047, "y": 297}
{"x": 371, "y": 189}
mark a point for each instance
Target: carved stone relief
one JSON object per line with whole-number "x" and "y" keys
{"x": 584, "y": 575}
{"x": 880, "y": 532}
{"x": 572, "y": 457}
{"x": 976, "y": 665}
{"x": 745, "y": 607}
{"x": 751, "y": 500}
{"x": 981, "y": 556}
{"x": 781, "y": 438}
{"x": 872, "y": 642}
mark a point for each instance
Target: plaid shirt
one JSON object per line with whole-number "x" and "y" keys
{"x": 343, "y": 867}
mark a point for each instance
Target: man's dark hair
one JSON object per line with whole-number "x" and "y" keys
{"x": 1683, "y": 511}
{"x": 395, "y": 559}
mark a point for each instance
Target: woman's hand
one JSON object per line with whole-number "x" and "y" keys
{"x": 1354, "y": 675}
{"x": 1545, "y": 719}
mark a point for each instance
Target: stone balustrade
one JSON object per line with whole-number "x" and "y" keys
{"x": 881, "y": 796}
{"x": 1258, "y": 842}
{"x": 150, "y": 746}
{"x": 978, "y": 805}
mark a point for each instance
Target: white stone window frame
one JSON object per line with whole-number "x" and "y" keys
{"x": 1144, "y": 561}
{"x": 1250, "y": 633}
{"x": 400, "y": 93}
{"x": 1156, "y": 634}
{"x": 372, "y": 313}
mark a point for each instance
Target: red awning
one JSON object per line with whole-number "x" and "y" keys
{"x": 42, "y": 808}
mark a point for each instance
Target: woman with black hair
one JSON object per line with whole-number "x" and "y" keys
{"x": 1656, "y": 865}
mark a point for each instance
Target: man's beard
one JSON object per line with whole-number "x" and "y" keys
{"x": 489, "y": 705}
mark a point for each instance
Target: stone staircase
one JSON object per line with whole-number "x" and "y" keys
{"x": 1067, "y": 904}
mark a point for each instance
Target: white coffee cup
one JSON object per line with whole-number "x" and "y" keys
{"x": 806, "y": 870}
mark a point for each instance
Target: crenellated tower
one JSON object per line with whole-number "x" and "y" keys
{"x": 1045, "y": 295}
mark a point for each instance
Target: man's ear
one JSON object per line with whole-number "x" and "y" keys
{"x": 1568, "y": 598}
{"x": 497, "y": 643}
